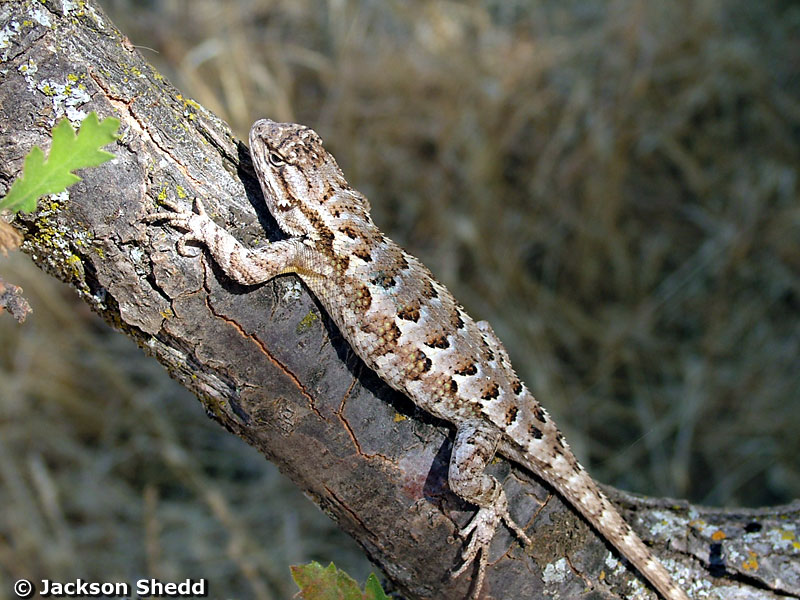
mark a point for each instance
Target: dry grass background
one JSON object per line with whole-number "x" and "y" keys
{"x": 613, "y": 185}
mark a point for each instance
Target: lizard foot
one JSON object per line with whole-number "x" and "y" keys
{"x": 194, "y": 223}
{"x": 480, "y": 531}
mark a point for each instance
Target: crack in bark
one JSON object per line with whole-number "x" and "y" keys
{"x": 266, "y": 352}
{"x": 125, "y": 108}
{"x": 353, "y": 514}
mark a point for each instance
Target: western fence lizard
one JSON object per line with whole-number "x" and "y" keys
{"x": 407, "y": 326}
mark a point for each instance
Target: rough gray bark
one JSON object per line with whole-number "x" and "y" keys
{"x": 270, "y": 367}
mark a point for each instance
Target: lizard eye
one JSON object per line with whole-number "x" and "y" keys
{"x": 275, "y": 160}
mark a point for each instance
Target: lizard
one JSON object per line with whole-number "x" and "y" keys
{"x": 412, "y": 332}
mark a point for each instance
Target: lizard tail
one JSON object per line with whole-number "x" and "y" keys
{"x": 572, "y": 481}
{"x": 612, "y": 526}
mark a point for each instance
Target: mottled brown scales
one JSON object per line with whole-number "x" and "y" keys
{"x": 349, "y": 231}
{"x": 511, "y": 415}
{"x": 402, "y": 265}
{"x": 418, "y": 363}
{"x": 383, "y": 335}
{"x": 362, "y": 299}
{"x": 389, "y": 332}
{"x": 384, "y": 280}
{"x": 341, "y": 207}
{"x": 341, "y": 263}
{"x": 327, "y": 194}
{"x": 388, "y": 260}
{"x": 409, "y": 313}
{"x": 283, "y": 207}
{"x": 323, "y": 236}
{"x": 439, "y": 341}
{"x": 427, "y": 290}
{"x": 469, "y": 369}
{"x": 491, "y": 392}
{"x": 363, "y": 253}
{"x": 414, "y": 334}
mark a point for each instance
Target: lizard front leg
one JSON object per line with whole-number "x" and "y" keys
{"x": 474, "y": 447}
{"x": 243, "y": 265}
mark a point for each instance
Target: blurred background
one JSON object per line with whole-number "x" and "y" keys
{"x": 613, "y": 185}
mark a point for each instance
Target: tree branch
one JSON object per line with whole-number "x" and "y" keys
{"x": 270, "y": 367}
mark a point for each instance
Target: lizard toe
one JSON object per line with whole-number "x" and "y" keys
{"x": 183, "y": 249}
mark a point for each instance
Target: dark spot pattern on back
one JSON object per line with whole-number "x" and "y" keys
{"x": 440, "y": 341}
{"x": 409, "y": 313}
{"x": 362, "y": 252}
{"x": 362, "y": 298}
{"x": 349, "y": 231}
{"x": 511, "y": 416}
{"x": 491, "y": 392}
{"x": 394, "y": 332}
{"x": 341, "y": 262}
{"x": 538, "y": 412}
{"x": 386, "y": 333}
{"x": 428, "y": 291}
{"x": 535, "y": 432}
{"x": 517, "y": 387}
{"x": 384, "y": 280}
{"x": 402, "y": 263}
{"x": 419, "y": 363}
{"x": 469, "y": 369}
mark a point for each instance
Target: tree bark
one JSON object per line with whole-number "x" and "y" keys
{"x": 270, "y": 367}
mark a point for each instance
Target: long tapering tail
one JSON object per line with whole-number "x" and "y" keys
{"x": 570, "y": 480}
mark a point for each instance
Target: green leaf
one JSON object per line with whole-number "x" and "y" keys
{"x": 373, "y": 589}
{"x": 316, "y": 583}
{"x": 68, "y": 153}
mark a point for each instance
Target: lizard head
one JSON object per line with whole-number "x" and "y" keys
{"x": 301, "y": 181}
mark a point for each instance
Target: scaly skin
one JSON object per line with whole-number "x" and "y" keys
{"x": 407, "y": 326}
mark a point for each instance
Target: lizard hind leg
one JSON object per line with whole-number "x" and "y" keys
{"x": 473, "y": 448}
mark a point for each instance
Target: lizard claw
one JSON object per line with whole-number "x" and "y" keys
{"x": 176, "y": 217}
{"x": 198, "y": 206}
{"x": 480, "y": 531}
{"x": 192, "y": 222}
